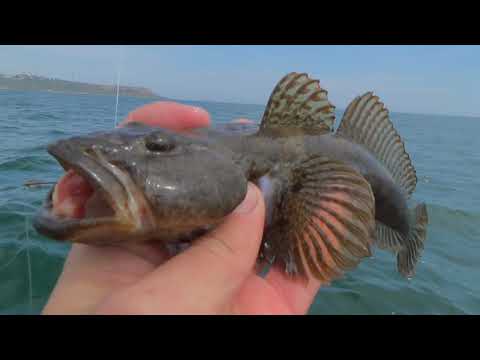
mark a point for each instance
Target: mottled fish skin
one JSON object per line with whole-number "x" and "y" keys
{"x": 329, "y": 197}
{"x": 260, "y": 154}
{"x": 153, "y": 195}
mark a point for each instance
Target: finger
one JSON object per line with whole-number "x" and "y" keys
{"x": 208, "y": 273}
{"x": 297, "y": 293}
{"x": 170, "y": 115}
{"x": 155, "y": 253}
{"x": 91, "y": 273}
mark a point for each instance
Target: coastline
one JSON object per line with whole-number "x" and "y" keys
{"x": 67, "y": 92}
{"x": 30, "y": 82}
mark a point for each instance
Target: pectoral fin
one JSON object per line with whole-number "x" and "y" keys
{"x": 325, "y": 222}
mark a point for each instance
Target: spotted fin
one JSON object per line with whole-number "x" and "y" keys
{"x": 366, "y": 121}
{"x": 298, "y": 104}
{"x": 409, "y": 255}
{"x": 325, "y": 222}
{"x": 408, "y": 249}
{"x": 388, "y": 239}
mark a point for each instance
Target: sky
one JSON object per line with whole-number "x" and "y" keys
{"x": 414, "y": 79}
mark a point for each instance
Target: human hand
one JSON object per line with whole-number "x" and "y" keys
{"x": 216, "y": 275}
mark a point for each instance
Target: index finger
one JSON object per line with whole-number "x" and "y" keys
{"x": 169, "y": 114}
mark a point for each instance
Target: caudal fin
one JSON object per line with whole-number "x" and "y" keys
{"x": 367, "y": 122}
{"x": 409, "y": 255}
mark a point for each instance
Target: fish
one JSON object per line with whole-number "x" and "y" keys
{"x": 331, "y": 196}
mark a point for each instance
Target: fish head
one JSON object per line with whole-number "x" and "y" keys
{"x": 139, "y": 183}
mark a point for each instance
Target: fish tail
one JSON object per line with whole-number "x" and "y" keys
{"x": 410, "y": 253}
{"x": 367, "y": 122}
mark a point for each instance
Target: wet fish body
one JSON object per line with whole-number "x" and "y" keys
{"x": 330, "y": 196}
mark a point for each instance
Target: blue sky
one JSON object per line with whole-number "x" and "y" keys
{"x": 418, "y": 79}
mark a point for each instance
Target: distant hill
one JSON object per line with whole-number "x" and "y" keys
{"x": 34, "y": 82}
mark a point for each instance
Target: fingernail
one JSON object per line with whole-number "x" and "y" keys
{"x": 250, "y": 201}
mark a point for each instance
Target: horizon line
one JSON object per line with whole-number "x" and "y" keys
{"x": 339, "y": 109}
{"x": 474, "y": 116}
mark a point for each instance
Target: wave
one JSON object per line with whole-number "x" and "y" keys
{"x": 455, "y": 220}
{"x": 57, "y": 132}
{"x": 27, "y": 163}
{"x": 37, "y": 116}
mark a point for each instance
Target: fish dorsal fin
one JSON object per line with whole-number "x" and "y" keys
{"x": 366, "y": 121}
{"x": 298, "y": 103}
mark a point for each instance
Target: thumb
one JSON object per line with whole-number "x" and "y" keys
{"x": 236, "y": 242}
{"x": 217, "y": 264}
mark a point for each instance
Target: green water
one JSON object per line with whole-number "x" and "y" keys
{"x": 443, "y": 149}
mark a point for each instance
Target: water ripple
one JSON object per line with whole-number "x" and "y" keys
{"x": 444, "y": 152}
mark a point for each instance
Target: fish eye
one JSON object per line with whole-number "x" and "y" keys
{"x": 158, "y": 143}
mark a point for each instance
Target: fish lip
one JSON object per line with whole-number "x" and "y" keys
{"x": 96, "y": 172}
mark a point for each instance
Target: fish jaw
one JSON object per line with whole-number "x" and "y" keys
{"x": 120, "y": 189}
{"x": 103, "y": 204}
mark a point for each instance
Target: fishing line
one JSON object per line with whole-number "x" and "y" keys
{"x": 28, "y": 245}
{"x": 120, "y": 58}
{"x": 4, "y": 266}
{"x": 29, "y": 267}
{"x": 25, "y": 246}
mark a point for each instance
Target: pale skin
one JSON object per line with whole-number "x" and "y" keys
{"x": 217, "y": 275}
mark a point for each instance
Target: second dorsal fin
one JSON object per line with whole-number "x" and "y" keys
{"x": 366, "y": 121}
{"x": 298, "y": 104}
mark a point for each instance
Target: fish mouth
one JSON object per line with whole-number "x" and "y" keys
{"x": 96, "y": 201}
